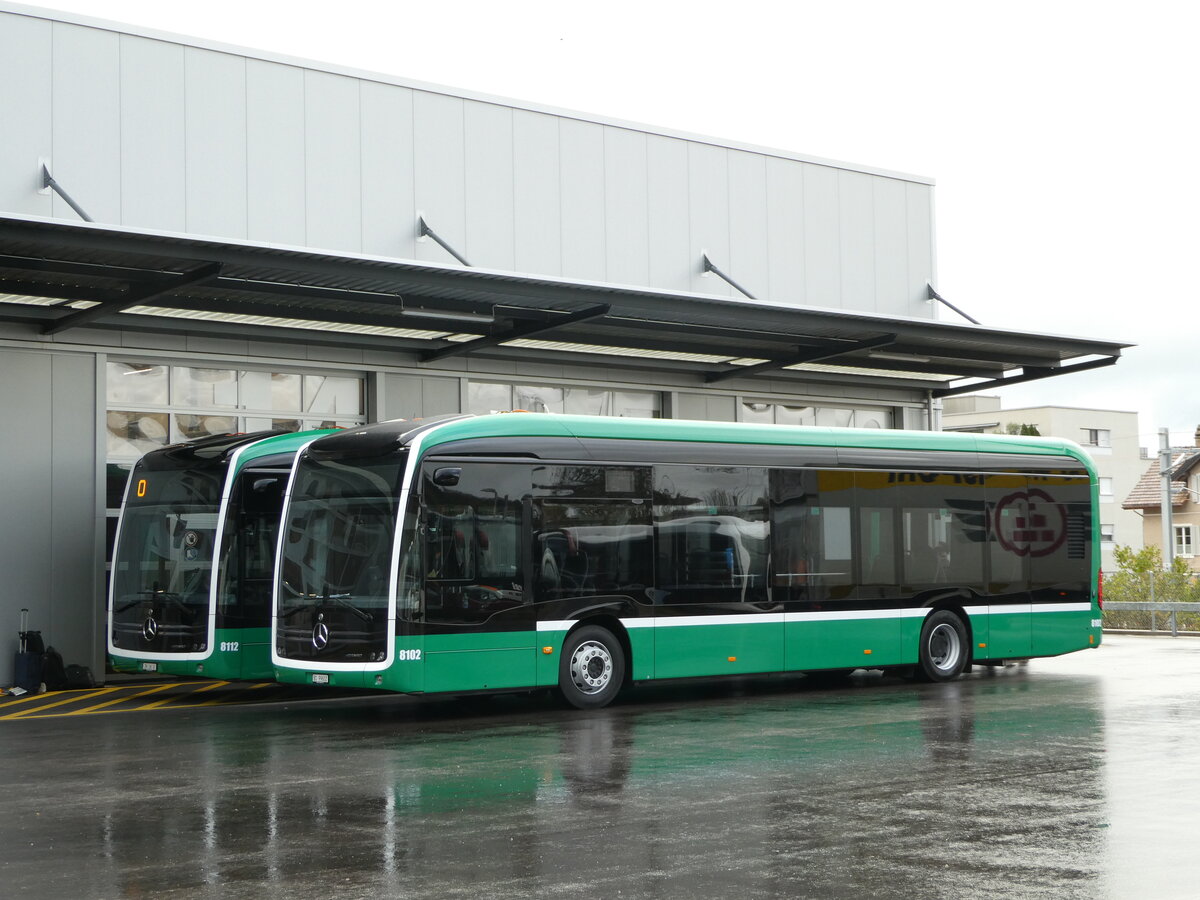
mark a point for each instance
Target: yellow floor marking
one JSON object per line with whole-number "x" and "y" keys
{"x": 24, "y": 712}
{"x": 165, "y": 700}
{"x": 209, "y": 687}
{"x": 4, "y": 704}
{"x": 114, "y": 702}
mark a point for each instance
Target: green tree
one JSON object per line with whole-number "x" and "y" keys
{"x": 1140, "y": 577}
{"x": 1021, "y": 428}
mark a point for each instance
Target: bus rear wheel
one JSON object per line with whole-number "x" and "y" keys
{"x": 592, "y": 667}
{"x": 944, "y": 648}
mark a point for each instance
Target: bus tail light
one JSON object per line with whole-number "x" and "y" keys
{"x": 1100, "y": 589}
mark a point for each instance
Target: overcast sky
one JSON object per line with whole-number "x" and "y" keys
{"x": 1062, "y": 135}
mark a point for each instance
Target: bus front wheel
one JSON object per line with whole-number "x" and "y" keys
{"x": 592, "y": 667}
{"x": 944, "y": 647}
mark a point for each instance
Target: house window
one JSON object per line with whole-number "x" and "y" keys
{"x": 1106, "y": 489}
{"x": 1183, "y": 541}
{"x": 1097, "y": 437}
{"x": 1107, "y": 533}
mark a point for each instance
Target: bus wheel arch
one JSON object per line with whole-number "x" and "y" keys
{"x": 594, "y": 663}
{"x": 944, "y": 649}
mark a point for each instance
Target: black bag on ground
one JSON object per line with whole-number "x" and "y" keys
{"x": 54, "y": 673}
{"x": 80, "y": 677}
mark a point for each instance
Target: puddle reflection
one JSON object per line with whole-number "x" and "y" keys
{"x": 982, "y": 780}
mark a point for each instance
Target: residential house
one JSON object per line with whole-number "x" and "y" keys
{"x": 1146, "y": 500}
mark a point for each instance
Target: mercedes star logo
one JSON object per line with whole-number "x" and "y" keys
{"x": 149, "y": 628}
{"x": 320, "y": 637}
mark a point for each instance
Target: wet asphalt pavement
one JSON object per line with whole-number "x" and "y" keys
{"x": 1069, "y": 777}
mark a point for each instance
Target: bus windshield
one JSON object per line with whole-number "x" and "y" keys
{"x": 336, "y": 555}
{"x": 163, "y": 558}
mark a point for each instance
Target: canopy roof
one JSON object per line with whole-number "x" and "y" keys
{"x": 63, "y": 275}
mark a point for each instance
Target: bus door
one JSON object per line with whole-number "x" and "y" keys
{"x": 1012, "y": 528}
{"x": 476, "y": 614}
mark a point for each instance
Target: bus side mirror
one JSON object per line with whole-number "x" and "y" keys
{"x": 447, "y": 477}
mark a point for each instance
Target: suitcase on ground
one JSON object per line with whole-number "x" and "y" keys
{"x": 27, "y": 671}
{"x": 27, "y": 667}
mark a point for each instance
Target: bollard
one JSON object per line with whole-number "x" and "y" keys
{"x": 1174, "y": 629}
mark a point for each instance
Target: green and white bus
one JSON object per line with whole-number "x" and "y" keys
{"x": 516, "y": 551}
{"x": 190, "y": 591}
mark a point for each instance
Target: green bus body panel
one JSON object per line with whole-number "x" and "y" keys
{"x": 685, "y": 651}
{"x": 498, "y": 660}
{"x": 1011, "y": 633}
{"x": 742, "y": 434}
{"x": 479, "y": 661}
{"x": 251, "y": 661}
{"x": 283, "y": 443}
{"x": 845, "y": 644}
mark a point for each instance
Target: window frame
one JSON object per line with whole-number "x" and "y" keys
{"x": 1184, "y": 537}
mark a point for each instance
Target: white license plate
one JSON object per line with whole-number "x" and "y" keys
{"x": 149, "y": 667}
{"x": 320, "y": 679}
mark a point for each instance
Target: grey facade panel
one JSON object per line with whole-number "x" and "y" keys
{"x": 488, "y": 134}
{"x": 215, "y": 143}
{"x": 332, "y": 162}
{"x": 25, "y": 55}
{"x": 87, "y": 121}
{"x": 708, "y": 213}
{"x": 153, "y": 107}
{"x": 581, "y": 150}
{"x": 706, "y": 408}
{"x": 154, "y": 133}
{"x": 856, "y": 227}
{"x": 749, "y": 252}
{"x": 74, "y": 575}
{"x": 922, "y": 269}
{"x": 785, "y": 230}
{"x": 275, "y": 130}
{"x": 440, "y": 161}
{"x": 48, "y": 518}
{"x": 822, "y": 238}
{"x": 417, "y": 396}
{"x": 388, "y": 226}
{"x": 537, "y": 223}
{"x": 671, "y": 260}
{"x": 626, "y": 210}
{"x": 891, "y": 243}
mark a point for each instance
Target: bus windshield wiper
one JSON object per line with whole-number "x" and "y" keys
{"x": 152, "y": 597}
{"x": 340, "y": 600}
{"x": 319, "y": 599}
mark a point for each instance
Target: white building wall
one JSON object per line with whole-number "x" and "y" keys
{"x": 159, "y": 132}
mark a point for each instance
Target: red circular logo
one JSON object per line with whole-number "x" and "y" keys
{"x": 1038, "y": 529}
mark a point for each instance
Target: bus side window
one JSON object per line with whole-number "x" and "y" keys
{"x": 812, "y": 535}
{"x": 585, "y": 548}
{"x": 712, "y": 534}
{"x": 471, "y": 535}
{"x": 944, "y": 531}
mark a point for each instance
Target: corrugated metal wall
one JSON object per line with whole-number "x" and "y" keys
{"x": 51, "y": 522}
{"x": 153, "y": 134}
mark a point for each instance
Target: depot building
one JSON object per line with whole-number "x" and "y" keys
{"x": 197, "y": 239}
